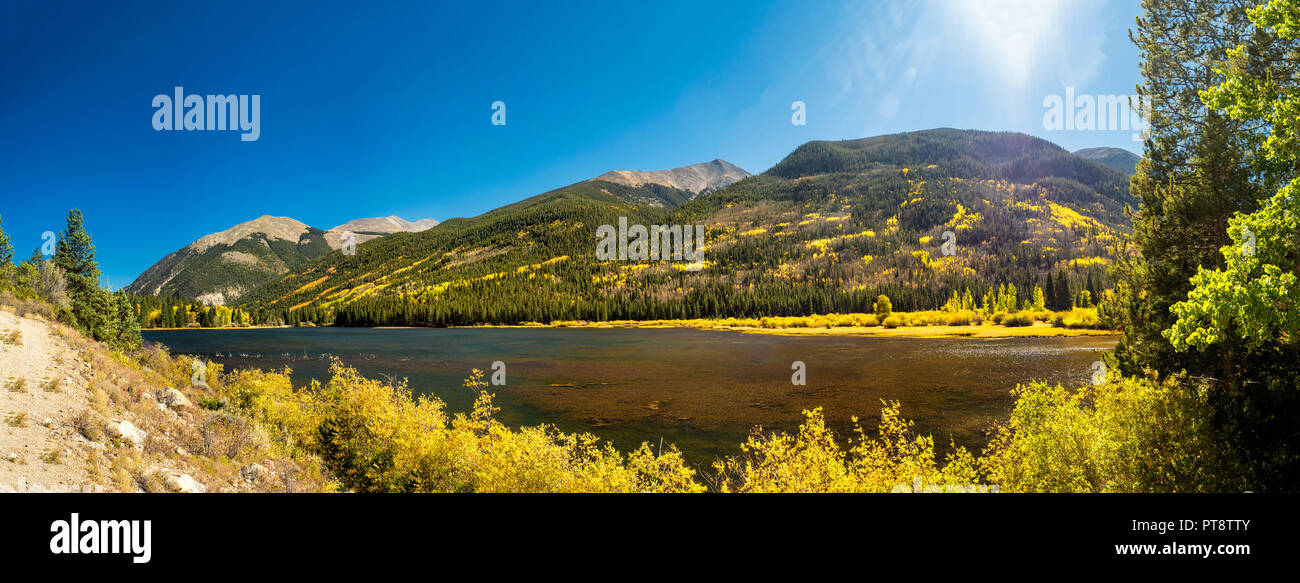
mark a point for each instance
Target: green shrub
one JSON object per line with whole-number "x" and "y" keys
{"x": 1131, "y": 435}
{"x": 212, "y": 403}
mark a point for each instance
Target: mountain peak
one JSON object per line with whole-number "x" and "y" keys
{"x": 385, "y": 225}
{"x": 253, "y": 252}
{"x": 698, "y": 179}
{"x": 273, "y": 227}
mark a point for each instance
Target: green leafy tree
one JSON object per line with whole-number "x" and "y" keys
{"x": 1194, "y": 175}
{"x": 1251, "y": 301}
{"x": 1243, "y": 316}
{"x": 883, "y": 307}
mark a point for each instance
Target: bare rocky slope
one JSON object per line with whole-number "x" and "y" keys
{"x": 698, "y": 179}
{"x": 79, "y": 417}
{"x": 220, "y": 267}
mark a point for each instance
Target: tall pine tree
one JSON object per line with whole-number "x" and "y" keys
{"x": 1193, "y": 176}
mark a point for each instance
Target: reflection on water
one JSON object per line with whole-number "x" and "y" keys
{"x": 702, "y": 390}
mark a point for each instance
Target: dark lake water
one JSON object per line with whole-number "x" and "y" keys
{"x": 702, "y": 390}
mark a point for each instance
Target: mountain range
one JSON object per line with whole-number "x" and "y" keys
{"x": 825, "y": 230}
{"x": 693, "y": 181}
{"x": 220, "y": 267}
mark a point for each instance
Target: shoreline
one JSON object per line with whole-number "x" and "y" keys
{"x": 981, "y": 331}
{"x": 1037, "y": 330}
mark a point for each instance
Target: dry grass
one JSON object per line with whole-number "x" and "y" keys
{"x": 91, "y": 425}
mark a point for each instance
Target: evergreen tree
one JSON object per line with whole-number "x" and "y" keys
{"x": 1193, "y": 176}
{"x": 1242, "y": 320}
{"x": 1063, "y": 296}
{"x": 74, "y": 253}
{"x": 6, "y": 256}
{"x": 127, "y": 326}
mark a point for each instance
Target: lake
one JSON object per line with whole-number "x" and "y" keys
{"x": 702, "y": 390}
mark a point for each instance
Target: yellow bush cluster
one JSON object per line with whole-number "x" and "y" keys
{"x": 376, "y": 437}
{"x": 1129, "y": 435}
{"x": 1078, "y": 318}
{"x": 812, "y": 461}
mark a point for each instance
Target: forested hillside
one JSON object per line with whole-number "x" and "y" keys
{"x": 828, "y": 229}
{"x": 218, "y": 268}
{"x": 1117, "y": 158}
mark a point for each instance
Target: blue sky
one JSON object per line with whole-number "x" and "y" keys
{"x": 381, "y": 108}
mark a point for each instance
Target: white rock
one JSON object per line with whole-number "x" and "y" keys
{"x": 47, "y": 422}
{"x": 173, "y": 398}
{"x": 129, "y": 432}
{"x": 251, "y": 472}
{"x": 185, "y": 484}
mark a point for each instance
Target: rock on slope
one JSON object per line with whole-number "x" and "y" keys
{"x": 698, "y": 179}
{"x": 372, "y": 228}
{"x": 77, "y": 418}
{"x": 220, "y": 267}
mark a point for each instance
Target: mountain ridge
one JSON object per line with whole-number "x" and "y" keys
{"x": 824, "y": 230}
{"x": 1117, "y": 158}
{"x": 248, "y": 254}
{"x": 698, "y": 179}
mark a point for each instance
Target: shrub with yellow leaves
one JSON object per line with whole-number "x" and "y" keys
{"x": 1129, "y": 435}
{"x": 376, "y": 436}
{"x": 813, "y": 461}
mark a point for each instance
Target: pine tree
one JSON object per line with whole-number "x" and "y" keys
{"x": 1063, "y": 296}
{"x": 1050, "y": 293}
{"x": 1240, "y": 321}
{"x": 1193, "y": 176}
{"x": 6, "y": 255}
{"x": 127, "y": 326}
{"x": 74, "y": 253}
